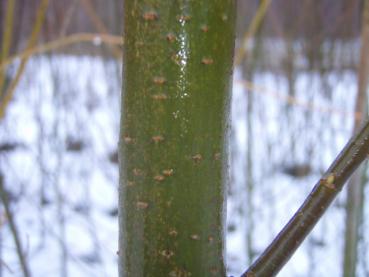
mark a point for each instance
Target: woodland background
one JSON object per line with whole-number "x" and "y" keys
{"x": 293, "y": 108}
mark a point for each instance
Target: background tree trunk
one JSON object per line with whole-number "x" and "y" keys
{"x": 355, "y": 192}
{"x": 176, "y": 82}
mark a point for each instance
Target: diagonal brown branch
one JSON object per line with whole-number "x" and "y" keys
{"x": 292, "y": 235}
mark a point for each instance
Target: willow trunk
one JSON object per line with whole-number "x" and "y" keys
{"x": 177, "y": 65}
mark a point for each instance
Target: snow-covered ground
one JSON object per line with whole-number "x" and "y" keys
{"x": 63, "y": 174}
{"x": 310, "y": 131}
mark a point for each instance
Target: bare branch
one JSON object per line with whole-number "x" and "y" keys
{"x": 4, "y": 196}
{"x": 292, "y": 235}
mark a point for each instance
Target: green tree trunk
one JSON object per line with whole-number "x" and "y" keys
{"x": 176, "y": 81}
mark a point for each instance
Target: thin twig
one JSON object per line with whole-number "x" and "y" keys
{"x": 65, "y": 41}
{"x": 8, "y": 26}
{"x": 254, "y": 26}
{"x": 99, "y": 25}
{"x": 4, "y": 101}
{"x": 292, "y": 235}
{"x": 13, "y": 228}
{"x": 67, "y": 18}
{"x": 6, "y": 39}
{"x": 293, "y": 100}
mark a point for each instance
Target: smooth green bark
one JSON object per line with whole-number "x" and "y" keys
{"x": 176, "y": 82}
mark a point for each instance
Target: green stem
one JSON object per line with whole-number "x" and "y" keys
{"x": 176, "y": 83}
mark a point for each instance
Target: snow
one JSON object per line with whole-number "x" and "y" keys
{"x": 64, "y": 102}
